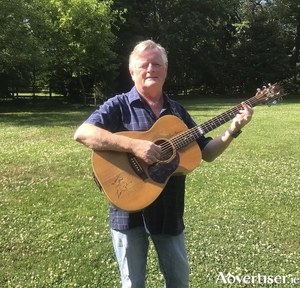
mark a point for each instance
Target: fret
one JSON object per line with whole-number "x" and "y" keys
{"x": 186, "y": 138}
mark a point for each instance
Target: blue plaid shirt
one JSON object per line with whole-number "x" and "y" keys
{"x": 130, "y": 112}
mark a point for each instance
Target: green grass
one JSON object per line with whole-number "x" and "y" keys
{"x": 242, "y": 210}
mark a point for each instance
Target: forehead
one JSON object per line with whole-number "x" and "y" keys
{"x": 151, "y": 54}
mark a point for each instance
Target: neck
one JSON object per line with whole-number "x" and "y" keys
{"x": 154, "y": 103}
{"x": 153, "y": 99}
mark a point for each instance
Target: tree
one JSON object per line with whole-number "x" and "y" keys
{"x": 195, "y": 34}
{"x": 45, "y": 39}
{"x": 260, "y": 52}
{"x": 81, "y": 39}
{"x": 22, "y": 52}
{"x": 198, "y": 37}
{"x": 213, "y": 45}
{"x": 134, "y": 24}
{"x": 288, "y": 12}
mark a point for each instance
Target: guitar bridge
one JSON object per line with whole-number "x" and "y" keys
{"x": 136, "y": 166}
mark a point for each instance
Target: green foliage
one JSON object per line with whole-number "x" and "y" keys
{"x": 216, "y": 46}
{"x": 20, "y": 49}
{"x": 242, "y": 210}
{"x": 83, "y": 27}
{"x": 55, "y": 40}
{"x": 254, "y": 57}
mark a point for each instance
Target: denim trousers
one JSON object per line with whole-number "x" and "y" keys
{"x": 131, "y": 249}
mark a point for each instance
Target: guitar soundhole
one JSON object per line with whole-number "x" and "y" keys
{"x": 167, "y": 150}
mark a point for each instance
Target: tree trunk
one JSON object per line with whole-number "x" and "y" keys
{"x": 296, "y": 48}
{"x": 82, "y": 87}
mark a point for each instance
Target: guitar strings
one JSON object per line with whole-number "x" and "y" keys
{"x": 184, "y": 138}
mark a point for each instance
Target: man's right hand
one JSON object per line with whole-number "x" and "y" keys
{"x": 147, "y": 151}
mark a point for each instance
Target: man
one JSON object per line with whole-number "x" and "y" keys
{"x": 162, "y": 221}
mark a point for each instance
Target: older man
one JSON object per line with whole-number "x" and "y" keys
{"x": 162, "y": 221}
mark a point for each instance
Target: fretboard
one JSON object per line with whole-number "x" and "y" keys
{"x": 196, "y": 132}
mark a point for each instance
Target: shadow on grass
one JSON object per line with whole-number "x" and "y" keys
{"x": 53, "y": 113}
{"x": 45, "y": 113}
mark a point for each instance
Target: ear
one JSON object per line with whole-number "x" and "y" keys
{"x": 132, "y": 74}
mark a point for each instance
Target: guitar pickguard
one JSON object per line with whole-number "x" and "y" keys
{"x": 161, "y": 171}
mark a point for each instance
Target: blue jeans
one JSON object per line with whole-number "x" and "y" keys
{"x": 131, "y": 248}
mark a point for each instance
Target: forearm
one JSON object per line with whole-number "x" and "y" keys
{"x": 100, "y": 139}
{"x": 216, "y": 147}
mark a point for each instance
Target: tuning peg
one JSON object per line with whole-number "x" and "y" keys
{"x": 264, "y": 87}
{"x": 269, "y": 84}
{"x": 258, "y": 89}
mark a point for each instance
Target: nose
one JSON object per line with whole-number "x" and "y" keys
{"x": 150, "y": 67}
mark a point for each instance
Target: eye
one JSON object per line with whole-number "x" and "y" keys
{"x": 143, "y": 65}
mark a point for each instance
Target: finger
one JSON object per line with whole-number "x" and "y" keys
{"x": 152, "y": 160}
{"x": 247, "y": 108}
{"x": 157, "y": 149}
{"x": 157, "y": 155}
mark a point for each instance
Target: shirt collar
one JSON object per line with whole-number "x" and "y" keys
{"x": 134, "y": 95}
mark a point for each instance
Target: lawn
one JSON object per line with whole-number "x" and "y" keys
{"x": 242, "y": 210}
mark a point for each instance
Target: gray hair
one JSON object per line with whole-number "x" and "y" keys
{"x": 142, "y": 46}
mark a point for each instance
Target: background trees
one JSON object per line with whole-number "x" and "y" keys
{"x": 65, "y": 43}
{"x": 79, "y": 46}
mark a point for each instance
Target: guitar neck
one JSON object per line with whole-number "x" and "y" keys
{"x": 196, "y": 132}
{"x": 226, "y": 116}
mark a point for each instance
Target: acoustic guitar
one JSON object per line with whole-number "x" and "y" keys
{"x": 130, "y": 184}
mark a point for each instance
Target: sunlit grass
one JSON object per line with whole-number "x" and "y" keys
{"x": 242, "y": 211}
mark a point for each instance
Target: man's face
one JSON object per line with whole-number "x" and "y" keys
{"x": 150, "y": 72}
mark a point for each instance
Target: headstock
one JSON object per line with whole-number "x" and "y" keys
{"x": 269, "y": 94}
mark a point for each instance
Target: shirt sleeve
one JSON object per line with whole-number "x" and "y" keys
{"x": 107, "y": 116}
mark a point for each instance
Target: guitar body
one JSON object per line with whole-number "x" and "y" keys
{"x": 131, "y": 184}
